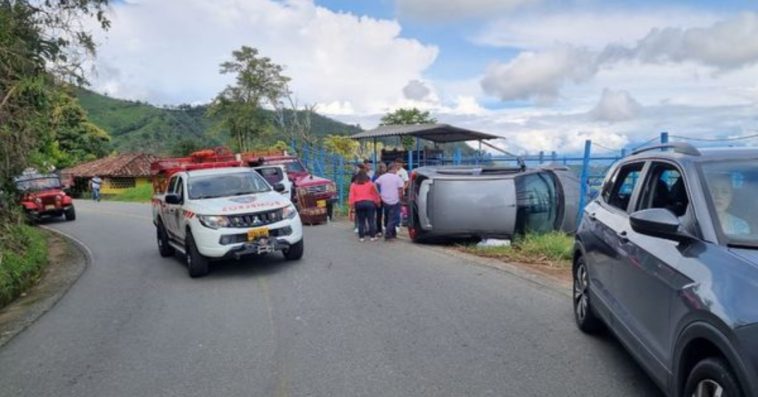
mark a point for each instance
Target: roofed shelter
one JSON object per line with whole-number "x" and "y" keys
{"x": 118, "y": 172}
{"x": 437, "y": 133}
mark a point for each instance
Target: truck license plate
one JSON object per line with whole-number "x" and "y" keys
{"x": 254, "y": 234}
{"x": 321, "y": 203}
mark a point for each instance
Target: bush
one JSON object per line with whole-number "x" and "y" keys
{"x": 23, "y": 256}
{"x": 553, "y": 249}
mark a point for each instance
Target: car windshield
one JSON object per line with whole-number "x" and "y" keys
{"x": 294, "y": 166}
{"x": 731, "y": 187}
{"x": 37, "y": 184}
{"x": 236, "y": 184}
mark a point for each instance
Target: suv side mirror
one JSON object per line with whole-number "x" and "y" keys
{"x": 279, "y": 187}
{"x": 658, "y": 222}
{"x": 172, "y": 198}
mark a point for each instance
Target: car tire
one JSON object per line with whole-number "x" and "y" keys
{"x": 197, "y": 265}
{"x": 295, "y": 251}
{"x": 712, "y": 377}
{"x": 70, "y": 214}
{"x": 164, "y": 247}
{"x": 584, "y": 315}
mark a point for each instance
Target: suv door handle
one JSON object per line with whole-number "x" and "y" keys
{"x": 622, "y": 236}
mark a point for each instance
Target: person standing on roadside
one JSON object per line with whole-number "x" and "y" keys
{"x": 94, "y": 185}
{"x": 401, "y": 172}
{"x": 390, "y": 189}
{"x": 367, "y": 166}
{"x": 381, "y": 170}
{"x": 364, "y": 198}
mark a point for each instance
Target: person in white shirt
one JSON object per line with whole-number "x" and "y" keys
{"x": 401, "y": 172}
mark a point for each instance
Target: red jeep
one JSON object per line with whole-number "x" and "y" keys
{"x": 312, "y": 195}
{"x": 43, "y": 195}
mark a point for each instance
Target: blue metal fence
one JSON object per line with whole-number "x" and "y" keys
{"x": 590, "y": 168}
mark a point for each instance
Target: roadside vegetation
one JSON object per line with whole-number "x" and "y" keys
{"x": 550, "y": 249}
{"x": 138, "y": 194}
{"x": 23, "y": 256}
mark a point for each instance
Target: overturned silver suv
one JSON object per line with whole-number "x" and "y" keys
{"x": 490, "y": 202}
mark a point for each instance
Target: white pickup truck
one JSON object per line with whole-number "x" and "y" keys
{"x": 224, "y": 213}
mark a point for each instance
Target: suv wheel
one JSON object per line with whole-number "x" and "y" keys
{"x": 585, "y": 317}
{"x": 164, "y": 247}
{"x": 712, "y": 377}
{"x": 197, "y": 265}
{"x": 295, "y": 251}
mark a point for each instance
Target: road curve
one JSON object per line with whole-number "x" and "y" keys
{"x": 350, "y": 319}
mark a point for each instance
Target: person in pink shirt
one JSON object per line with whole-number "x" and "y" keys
{"x": 364, "y": 198}
{"x": 391, "y": 189}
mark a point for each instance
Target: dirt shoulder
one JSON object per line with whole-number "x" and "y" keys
{"x": 67, "y": 261}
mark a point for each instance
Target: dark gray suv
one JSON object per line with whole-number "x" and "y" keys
{"x": 667, "y": 258}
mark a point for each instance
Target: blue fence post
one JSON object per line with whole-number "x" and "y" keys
{"x": 410, "y": 160}
{"x": 584, "y": 179}
{"x": 664, "y": 137}
{"x": 623, "y": 152}
{"x": 542, "y": 156}
{"x": 340, "y": 182}
{"x": 553, "y": 157}
{"x": 457, "y": 156}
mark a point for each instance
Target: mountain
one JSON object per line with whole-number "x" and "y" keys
{"x": 139, "y": 126}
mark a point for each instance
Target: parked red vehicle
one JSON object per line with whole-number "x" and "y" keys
{"x": 42, "y": 196}
{"x": 313, "y": 196}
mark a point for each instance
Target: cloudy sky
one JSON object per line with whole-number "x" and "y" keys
{"x": 544, "y": 74}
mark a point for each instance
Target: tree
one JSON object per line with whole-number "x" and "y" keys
{"x": 42, "y": 45}
{"x": 259, "y": 81}
{"x": 405, "y": 116}
{"x": 342, "y": 145}
{"x": 294, "y": 121}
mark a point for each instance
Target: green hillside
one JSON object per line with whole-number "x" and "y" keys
{"x": 138, "y": 126}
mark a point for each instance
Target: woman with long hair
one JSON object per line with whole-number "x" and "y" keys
{"x": 364, "y": 198}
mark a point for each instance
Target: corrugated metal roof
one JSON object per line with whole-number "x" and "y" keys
{"x": 432, "y": 132}
{"x": 120, "y": 165}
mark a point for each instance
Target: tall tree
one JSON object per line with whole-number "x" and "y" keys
{"x": 258, "y": 81}
{"x": 42, "y": 44}
{"x": 405, "y": 116}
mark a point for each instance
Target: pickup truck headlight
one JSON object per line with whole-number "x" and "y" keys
{"x": 289, "y": 212}
{"x": 213, "y": 221}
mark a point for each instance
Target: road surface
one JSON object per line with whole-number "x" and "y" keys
{"x": 350, "y": 319}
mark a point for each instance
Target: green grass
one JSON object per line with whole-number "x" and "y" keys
{"x": 553, "y": 249}
{"x": 139, "y": 194}
{"x": 23, "y": 256}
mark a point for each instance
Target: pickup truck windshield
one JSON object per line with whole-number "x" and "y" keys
{"x": 236, "y": 184}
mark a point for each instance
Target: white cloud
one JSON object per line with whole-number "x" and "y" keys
{"x": 446, "y": 10}
{"x": 616, "y": 106}
{"x": 724, "y": 46}
{"x": 727, "y": 44}
{"x": 416, "y": 90}
{"x": 592, "y": 29}
{"x": 539, "y": 74}
{"x": 168, "y": 51}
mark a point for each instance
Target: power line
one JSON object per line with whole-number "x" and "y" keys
{"x": 651, "y": 140}
{"x": 739, "y": 138}
{"x": 605, "y": 147}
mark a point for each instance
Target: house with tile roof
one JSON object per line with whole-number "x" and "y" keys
{"x": 118, "y": 172}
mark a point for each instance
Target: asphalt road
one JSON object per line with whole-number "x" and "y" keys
{"x": 350, "y": 319}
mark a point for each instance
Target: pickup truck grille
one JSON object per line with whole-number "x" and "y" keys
{"x": 316, "y": 189}
{"x": 255, "y": 219}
